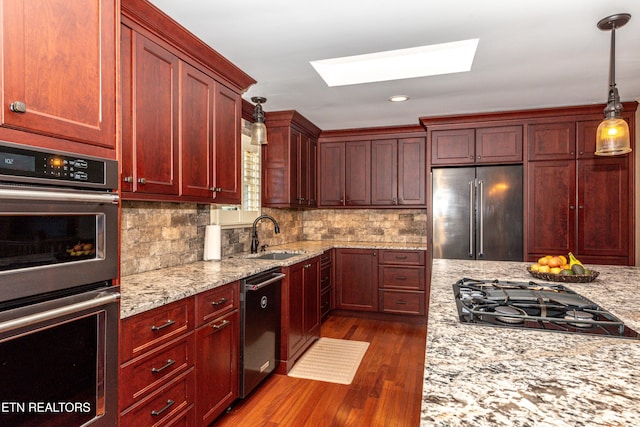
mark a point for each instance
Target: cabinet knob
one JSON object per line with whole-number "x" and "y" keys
{"x": 479, "y": 157}
{"x": 581, "y": 153}
{"x": 572, "y": 154}
{"x": 18, "y": 107}
{"x": 471, "y": 157}
{"x": 142, "y": 180}
{"x": 128, "y": 179}
{"x": 374, "y": 253}
{"x": 572, "y": 207}
{"x": 580, "y": 207}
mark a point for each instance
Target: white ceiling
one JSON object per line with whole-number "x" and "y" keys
{"x": 541, "y": 53}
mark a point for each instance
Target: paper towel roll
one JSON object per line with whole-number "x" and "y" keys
{"x": 212, "y": 242}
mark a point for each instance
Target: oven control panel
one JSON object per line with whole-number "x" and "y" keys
{"x": 30, "y": 164}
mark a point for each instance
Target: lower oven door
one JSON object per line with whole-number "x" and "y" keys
{"x": 59, "y": 361}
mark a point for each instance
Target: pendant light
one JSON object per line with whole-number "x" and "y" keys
{"x": 612, "y": 136}
{"x": 258, "y": 128}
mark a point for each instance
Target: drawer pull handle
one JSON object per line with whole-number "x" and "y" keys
{"x": 18, "y": 107}
{"x": 167, "y": 406}
{"x": 219, "y": 302}
{"x": 221, "y": 325}
{"x": 401, "y": 277}
{"x": 167, "y": 324}
{"x": 162, "y": 368}
{"x": 401, "y": 257}
{"x": 401, "y": 302}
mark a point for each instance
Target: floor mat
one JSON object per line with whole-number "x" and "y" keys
{"x": 331, "y": 360}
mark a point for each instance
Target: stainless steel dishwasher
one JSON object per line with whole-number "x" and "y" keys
{"x": 259, "y": 328}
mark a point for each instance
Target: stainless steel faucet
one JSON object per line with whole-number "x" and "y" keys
{"x": 254, "y": 232}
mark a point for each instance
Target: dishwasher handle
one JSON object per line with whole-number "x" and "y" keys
{"x": 255, "y": 286}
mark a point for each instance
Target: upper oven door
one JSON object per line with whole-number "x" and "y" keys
{"x": 52, "y": 240}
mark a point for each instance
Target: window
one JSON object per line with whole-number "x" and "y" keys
{"x": 230, "y": 216}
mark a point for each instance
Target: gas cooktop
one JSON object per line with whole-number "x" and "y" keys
{"x": 530, "y": 305}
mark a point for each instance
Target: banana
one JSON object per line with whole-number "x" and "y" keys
{"x": 573, "y": 260}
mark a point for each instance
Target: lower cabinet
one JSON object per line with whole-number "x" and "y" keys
{"x": 300, "y": 315}
{"x": 217, "y": 351}
{"x": 180, "y": 362}
{"x": 157, "y": 370}
{"x": 384, "y": 281}
{"x": 357, "y": 279}
{"x": 326, "y": 283}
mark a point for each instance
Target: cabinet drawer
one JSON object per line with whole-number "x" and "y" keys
{"x": 401, "y": 277}
{"x": 402, "y": 257}
{"x": 402, "y": 302}
{"x": 326, "y": 257}
{"x": 142, "y": 375}
{"x": 148, "y": 330}
{"x": 169, "y": 401}
{"x": 215, "y": 302}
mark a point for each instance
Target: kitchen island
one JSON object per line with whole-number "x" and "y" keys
{"x": 491, "y": 376}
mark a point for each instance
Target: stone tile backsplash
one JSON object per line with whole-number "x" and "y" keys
{"x": 366, "y": 225}
{"x": 160, "y": 235}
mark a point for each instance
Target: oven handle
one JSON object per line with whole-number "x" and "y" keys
{"x": 6, "y": 193}
{"x": 58, "y": 312}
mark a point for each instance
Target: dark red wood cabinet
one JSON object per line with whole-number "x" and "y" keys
{"x": 289, "y": 161}
{"x": 356, "y": 279}
{"x": 362, "y": 168}
{"x": 578, "y": 202}
{"x": 59, "y": 80}
{"x": 150, "y": 121}
{"x": 182, "y": 111}
{"x": 300, "y": 311}
{"x": 494, "y": 144}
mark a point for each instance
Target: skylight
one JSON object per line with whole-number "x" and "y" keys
{"x": 422, "y": 61}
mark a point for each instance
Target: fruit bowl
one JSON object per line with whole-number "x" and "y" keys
{"x": 566, "y": 278}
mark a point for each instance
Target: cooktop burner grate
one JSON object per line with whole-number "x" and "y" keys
{"x": 530, "y": 305}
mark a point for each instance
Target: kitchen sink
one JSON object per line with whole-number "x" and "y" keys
{"x": 275, "y": 255}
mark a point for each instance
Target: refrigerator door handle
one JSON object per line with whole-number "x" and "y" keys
{"x": 481, "y": 216}
{"x": 471, "y": 233}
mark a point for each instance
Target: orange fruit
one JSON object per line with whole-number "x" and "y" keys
{"x": 563, "y": 258}
{"x": 543, "y": 261}
{"x": 554, "y": 262}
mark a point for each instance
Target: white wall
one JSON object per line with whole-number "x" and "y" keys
{"x": 636, "y": 150}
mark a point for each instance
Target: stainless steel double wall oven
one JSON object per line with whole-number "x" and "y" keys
{"x": 59, "y": 310}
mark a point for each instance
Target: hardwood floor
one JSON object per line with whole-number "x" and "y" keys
{"x": 386, "y": 391}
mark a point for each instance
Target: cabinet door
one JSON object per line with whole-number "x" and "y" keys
{"x": 313, "y": 157}
{"x": 276, "y": 166}
{"x": 155, "y": 133}
{"x": 59, "y": 61}
{"x": 217, "y": 360}
{"x": 227, "y": 146}
{"x": 301, "y": 181}
{"x": 357, "y": 279}
{"x": 603, "y": 209}
{"x": 384, "y": 172}
{"x": 412, "y": 172}
{"x": 586, "y": 139}
{"x": 312, "y": 299}
{"x": 196, "y": 133}
{"x": 552, "y": 141}
{"x": 501, "y": 144}
{"x": 552, "y": 203}
{"x": 331, "y": 175}
{"x": 450, "y": 147}
{"x": 357, "y": 181}
{"x": 295, "y": 303}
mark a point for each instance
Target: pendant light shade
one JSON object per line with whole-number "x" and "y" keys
{"x": 612, "y": 136}
{"x": 258, "y": 128}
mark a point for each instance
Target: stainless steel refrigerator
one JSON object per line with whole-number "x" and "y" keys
{"x": 477, "y": 213}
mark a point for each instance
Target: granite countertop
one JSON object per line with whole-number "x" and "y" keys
{"x": 490, "y": 376}
{"x": 152, "y": 289}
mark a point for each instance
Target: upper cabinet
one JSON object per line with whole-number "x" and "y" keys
{"x": 495, "y": 144}
{"x": 182, "y": 111}
{"x": 372, "y": 168}
{"x": 289, "y": 161}
{"x": 58, "y": 74}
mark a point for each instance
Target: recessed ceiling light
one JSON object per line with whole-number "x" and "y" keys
{"x": 422, "y": 61}
{"x": 398, "y": 98}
